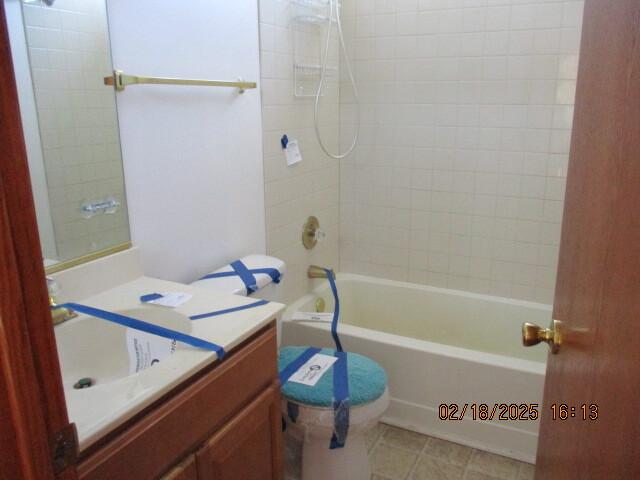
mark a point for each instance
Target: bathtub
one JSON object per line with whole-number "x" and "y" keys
{"x": 440, "y": 346}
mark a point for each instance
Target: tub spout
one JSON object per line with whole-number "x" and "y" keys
{"x": 315, "y": 271}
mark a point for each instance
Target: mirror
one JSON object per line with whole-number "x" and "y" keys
{"x": 61, "y": 54}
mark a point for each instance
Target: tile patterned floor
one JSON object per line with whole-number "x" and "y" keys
{"x": 397, "y": 454}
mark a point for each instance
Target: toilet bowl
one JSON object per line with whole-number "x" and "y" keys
{"x": 307, "y": 442}
{"x": 310, "y": 420}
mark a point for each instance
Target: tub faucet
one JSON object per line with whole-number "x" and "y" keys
{"x": 58, "y": 314}
{"x": 315, "y": 271}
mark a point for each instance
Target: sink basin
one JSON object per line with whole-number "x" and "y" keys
{"x": 96, "y": 349}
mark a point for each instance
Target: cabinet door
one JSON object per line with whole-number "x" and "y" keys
{"x": 185, "y": 471}
{"x": 249, "y": 447}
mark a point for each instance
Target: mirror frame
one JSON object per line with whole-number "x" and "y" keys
{"x": 89, "y": 257}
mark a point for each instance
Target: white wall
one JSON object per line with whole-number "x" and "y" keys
{"x": 311, "y": 187}
{"x": 459, "y": 176}
{"x": 192, "y": 155}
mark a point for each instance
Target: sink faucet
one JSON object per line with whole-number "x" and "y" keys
{"x": 58, "y": 314}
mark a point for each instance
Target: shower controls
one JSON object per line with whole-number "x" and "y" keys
{"x": 311, "y": 233}
{"x": 533, "y": 334}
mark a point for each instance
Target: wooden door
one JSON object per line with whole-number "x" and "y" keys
{"x": 598, "y": 286}
{"x": 32, "y": 407}
{"x": 249, "y": 446}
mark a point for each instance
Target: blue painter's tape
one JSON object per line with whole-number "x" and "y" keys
{"x": 274, "y": 273}
{"x": 150, "y": 297}
{"x": 336, "y": 310}
{"x": 293, "y": 411}
{"x": 246, "y": 275}
{"x": 341, "y": 403}
{"x": 228, "y": 310}
{"x": 250, "y": 282}
{"x": 131, "y": 322}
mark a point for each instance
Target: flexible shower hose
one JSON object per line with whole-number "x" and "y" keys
{"x": 334, "y": 5}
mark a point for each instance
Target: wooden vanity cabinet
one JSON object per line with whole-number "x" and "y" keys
{"x": 223, "y": 424}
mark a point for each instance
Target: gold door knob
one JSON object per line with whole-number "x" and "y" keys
{"x": 533, "y": 334}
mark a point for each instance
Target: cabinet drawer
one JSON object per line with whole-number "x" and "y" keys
{"x": 249, "y": 446}
{"x": 187, "y": 417}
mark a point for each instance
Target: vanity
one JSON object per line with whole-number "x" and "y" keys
{"x": 224, "y": 423}
{"x": 191, "y": 415}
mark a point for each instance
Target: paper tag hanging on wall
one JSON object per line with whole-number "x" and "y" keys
{"x": 292, "y": 153}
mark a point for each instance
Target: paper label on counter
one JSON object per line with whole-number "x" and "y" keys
{"x": 312, "y": 317}
{"x": 146, "y": 349}
{"x": 311, "y": 372}
{"x": 172, "y": 299}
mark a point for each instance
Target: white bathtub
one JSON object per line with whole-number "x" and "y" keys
{"x": 439, "y": 346}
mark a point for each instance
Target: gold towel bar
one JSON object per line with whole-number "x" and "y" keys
{"x": 121, "y": 80}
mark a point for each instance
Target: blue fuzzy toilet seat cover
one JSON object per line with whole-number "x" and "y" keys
{"x": 367, "y": 380}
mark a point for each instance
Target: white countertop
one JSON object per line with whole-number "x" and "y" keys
{"x": 102, "y": 407}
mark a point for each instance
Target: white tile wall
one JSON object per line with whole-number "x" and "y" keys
{"x": 311, "y": 187}
{"x": 69, "y": 54}
{"x": 459, "y": 176}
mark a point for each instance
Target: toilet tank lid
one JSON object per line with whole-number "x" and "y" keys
{"x": 233, "y": 283}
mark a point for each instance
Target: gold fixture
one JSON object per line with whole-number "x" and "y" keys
{"x": 74, "y": 262}
{"x": 120, "y": 81}
{"x": 60, "y": 314}
{"x": 315, "y": 271}
{"x": 310, "y": 232}
{"x": 320, "y": 305}
{"x": 533, "y": 334}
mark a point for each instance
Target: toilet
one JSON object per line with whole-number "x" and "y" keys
{"x": 308, "y": 412}
{"x": 309, "y": 417}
